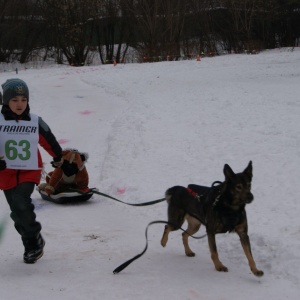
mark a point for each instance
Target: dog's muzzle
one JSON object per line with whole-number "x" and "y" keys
{"x": 249, "y": 198}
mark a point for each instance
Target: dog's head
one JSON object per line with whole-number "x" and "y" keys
{"x": 239, "y": 185}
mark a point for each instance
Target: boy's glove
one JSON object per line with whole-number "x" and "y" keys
{"x": 57, "y": 162}
{"x": 2, "y": 164}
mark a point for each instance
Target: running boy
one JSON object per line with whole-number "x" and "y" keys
{"x": 21, "y": 162}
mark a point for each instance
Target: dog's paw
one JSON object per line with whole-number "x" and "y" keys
{"x": 164, "y": 239}
{"x": 190, "y": 254}
{"x": 163, "y": 242}
{"x": 258, "y": 273}
{"x": 221, "y": 268}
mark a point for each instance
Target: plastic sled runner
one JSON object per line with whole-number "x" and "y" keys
{"x": 67, "y": 197}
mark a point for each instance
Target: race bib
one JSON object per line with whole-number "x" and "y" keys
{"x": 19, "y": 143}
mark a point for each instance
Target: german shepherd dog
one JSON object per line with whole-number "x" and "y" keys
{"x": 221, "y": 208}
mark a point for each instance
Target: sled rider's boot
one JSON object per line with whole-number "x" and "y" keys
{"x": 34, "y": 249}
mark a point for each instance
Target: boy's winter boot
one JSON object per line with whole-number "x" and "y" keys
{"x": 34, "y": 249}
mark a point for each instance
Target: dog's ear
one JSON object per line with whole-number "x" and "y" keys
{"x": 229, "y": 174}
{"x": 248, "y": 170}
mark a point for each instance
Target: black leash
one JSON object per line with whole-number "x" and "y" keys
{"x": 110, "y": 197}
{"x": 128, "y": 262}
{"x": 94, "y": 190}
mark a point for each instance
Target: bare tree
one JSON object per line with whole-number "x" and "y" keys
{"x": 19, "y": 29}
{"x": 288, "y": 22}
{"x": 70, "y": 27}
{"x": 159, "y": 25}
{"x": 200, "y": 34}
{"x": 33, "y": 29}
{"x": 6, "y": 48}
{"x": 158, "y": 29}
{"x": 243, "y": 14}
{"x": 109, "y": 29}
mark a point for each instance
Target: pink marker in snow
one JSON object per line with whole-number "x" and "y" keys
{"x": 121, "y": 190}
{"x": 85, "y": 112}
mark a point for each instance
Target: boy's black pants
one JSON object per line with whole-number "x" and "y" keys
{"x": 22, "y": 211}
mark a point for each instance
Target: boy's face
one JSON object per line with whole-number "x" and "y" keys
{"x": 18, "y": 104}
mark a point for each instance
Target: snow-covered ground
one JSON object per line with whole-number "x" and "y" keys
{"x": 146, "y": 128}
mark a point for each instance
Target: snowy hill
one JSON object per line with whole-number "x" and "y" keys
{"x": 146, "y": 128}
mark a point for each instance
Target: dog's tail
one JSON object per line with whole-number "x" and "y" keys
{"x": 175, "y": 190}
{"x": 168, "y": 195}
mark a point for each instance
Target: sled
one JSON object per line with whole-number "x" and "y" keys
{"x": 67, "y": 197}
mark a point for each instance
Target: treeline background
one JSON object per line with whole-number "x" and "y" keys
{"x": 69, "y": 31}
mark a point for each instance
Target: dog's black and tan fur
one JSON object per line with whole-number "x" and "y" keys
{"x": 220, "y": 208}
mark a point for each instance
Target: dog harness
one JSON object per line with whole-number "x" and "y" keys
{"x": 193, "y": 194}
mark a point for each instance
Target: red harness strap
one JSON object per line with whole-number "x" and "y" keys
{"x": 194, "y": 194}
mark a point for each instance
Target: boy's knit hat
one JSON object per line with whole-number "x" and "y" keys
{"x": 12, "y": 88}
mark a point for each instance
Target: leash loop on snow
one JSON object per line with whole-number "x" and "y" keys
{"x": 128, "y": 262}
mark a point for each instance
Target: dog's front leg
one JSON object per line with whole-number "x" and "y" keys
{"x": 214, "y": 253}
{"x": 245, "y": 241}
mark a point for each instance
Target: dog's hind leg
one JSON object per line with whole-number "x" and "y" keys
{"x": 214, "y": 253}
{"x": 193, "y": 227}
{"x": 175, "y": 221}
{"x": 165, "y": 236}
